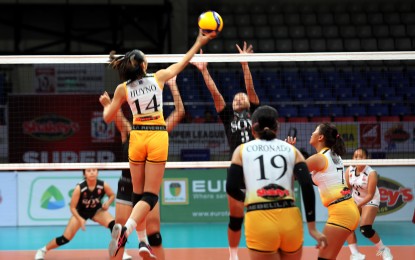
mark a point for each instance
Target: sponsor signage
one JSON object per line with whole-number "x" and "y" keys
{"x": 44, "y": 197}
{"x": 376, "y": 137}
{"x": 197, "y": 196}
{"x": 8, "y": 198}
{"x": 60, "y": 129}
{"x": 396, "y": 187}
{"x": 69, "y": 78}
{"x": 194, "y": 196}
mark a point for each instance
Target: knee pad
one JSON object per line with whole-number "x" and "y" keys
{"x": 235, "y": 223}
{"x": 150, "y": 198}
{"x": 61, "y": 240}
{"x": 111, "y": 225}
{"x": 367, "y": 231}
{"x": 136, "y": 198}
{"x": 155, "y": 239}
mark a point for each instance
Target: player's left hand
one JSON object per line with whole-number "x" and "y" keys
{"x": 105, "y": 99}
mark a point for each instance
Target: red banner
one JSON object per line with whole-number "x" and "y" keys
{"x": 60, "y": 129}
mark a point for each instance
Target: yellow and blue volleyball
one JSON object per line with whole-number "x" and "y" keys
{"x": 210, "y": 21}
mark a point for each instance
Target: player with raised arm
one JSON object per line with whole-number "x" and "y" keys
{"x": 236, "y": 120}
{"x": 123, "y": 206}
{"x": 148, "y": 147}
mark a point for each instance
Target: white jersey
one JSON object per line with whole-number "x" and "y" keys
{"x": 359, "y": 185}
{"x": 330, "y": 181}
{"x": 268, "y": 170}
{"x": 145, "y": 98}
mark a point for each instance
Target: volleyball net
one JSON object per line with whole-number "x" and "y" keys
{"x": 51, "y": 117}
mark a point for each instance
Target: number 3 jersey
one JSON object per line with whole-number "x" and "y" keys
{"x": 145, "y": 98}
{"x": 268, "y": 171}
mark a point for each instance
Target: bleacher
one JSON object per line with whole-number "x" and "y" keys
{"x": 344, "y": 90}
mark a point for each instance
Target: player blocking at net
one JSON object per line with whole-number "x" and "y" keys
{"x": 148, "y": 148}
{"x": 267, "y": 167}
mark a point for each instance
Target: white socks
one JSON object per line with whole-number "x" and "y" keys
{"x": 379, "y": 245}
{"x": 233, "y": 253}
{"x": 353, "y": 249}
{"x": 130, "y": 225}
{"x": 142, "y": 236}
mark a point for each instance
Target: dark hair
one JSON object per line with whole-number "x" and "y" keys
{"x": 333, "y": 140}
{"x": 364, "y": 150}
{"x": 265, "y": 122}
{"x": 128, "y": 65}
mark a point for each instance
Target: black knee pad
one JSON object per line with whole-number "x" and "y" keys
{"x": 235, "y": 223}
{"x": 111, "y": 225}
{"x": 61, "y": 240}
{"x": 150, "y": 198}
{"x": 155, "y": 239}
{"x": 367, "y": 231}
{"x": 321, "y": 258}
{"x": 136, "y": 198}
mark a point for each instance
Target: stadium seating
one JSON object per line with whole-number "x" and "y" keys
{"x": 349, "y": 89}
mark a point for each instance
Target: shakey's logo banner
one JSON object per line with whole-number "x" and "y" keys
{"x": 60, "y": 129}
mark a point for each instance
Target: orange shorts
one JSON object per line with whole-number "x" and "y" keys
{"x": 344, "y": 214}
{"x": 148, "y": 146}
{"x": 274, "y": 229}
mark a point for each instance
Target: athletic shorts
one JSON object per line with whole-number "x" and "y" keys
{"x": 344, "y": 214}
{"x": 86, "y": 214}
{"x": 125, "y": 191}
{"x": 148, "y": 146}
{"x": 374, "y": 202}
{"x": 274, "y": 229}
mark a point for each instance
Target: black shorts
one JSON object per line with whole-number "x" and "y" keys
{"x": 125, "y": 191}
{"x": 86, "y": 214}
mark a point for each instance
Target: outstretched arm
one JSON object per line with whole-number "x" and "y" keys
{"x": 165, "y": 74}
{"x": 249, "y": 83}
{"x": 218, "y": 99}
{"x": 178, "y": 113}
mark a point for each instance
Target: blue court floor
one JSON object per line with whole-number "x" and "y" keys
{"x": 188, "y": 235}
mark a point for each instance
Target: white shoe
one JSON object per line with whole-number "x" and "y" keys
{"x": 40, "y": 254}
{"x": 385, "y": 253}
{"x": 126, "y": 256}
{"x": 357, "y": 256}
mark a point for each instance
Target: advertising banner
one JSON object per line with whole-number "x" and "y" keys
{"x": 69, "y": 78}
{"x": 396, "y": 187}
{"x": 194, "y": 196}
{"x": 379, "y": 137}
{"x": 60, "y": 129}
{"x": 8, "y": 199}
{"x": 198, "y": 136}
{"x": 44, "y": 197}
{"x": 197, "y": 196}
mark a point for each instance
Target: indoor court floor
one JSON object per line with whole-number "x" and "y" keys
{"x": 203, "y": 241}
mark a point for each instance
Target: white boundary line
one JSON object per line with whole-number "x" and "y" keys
{"x": 174, "y": 165}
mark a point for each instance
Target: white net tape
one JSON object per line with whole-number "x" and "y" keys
{"x": 174, "y": 165}
{"x": 256, "y": 57}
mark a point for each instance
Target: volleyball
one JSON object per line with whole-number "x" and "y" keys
{"x": 210, "y": 21}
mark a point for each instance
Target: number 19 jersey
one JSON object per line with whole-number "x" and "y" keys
{"x": 268, "y": 170}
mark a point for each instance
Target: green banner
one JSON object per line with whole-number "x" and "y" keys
{"x": 197, "y": 195}
{"x": 194, "y": 195}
